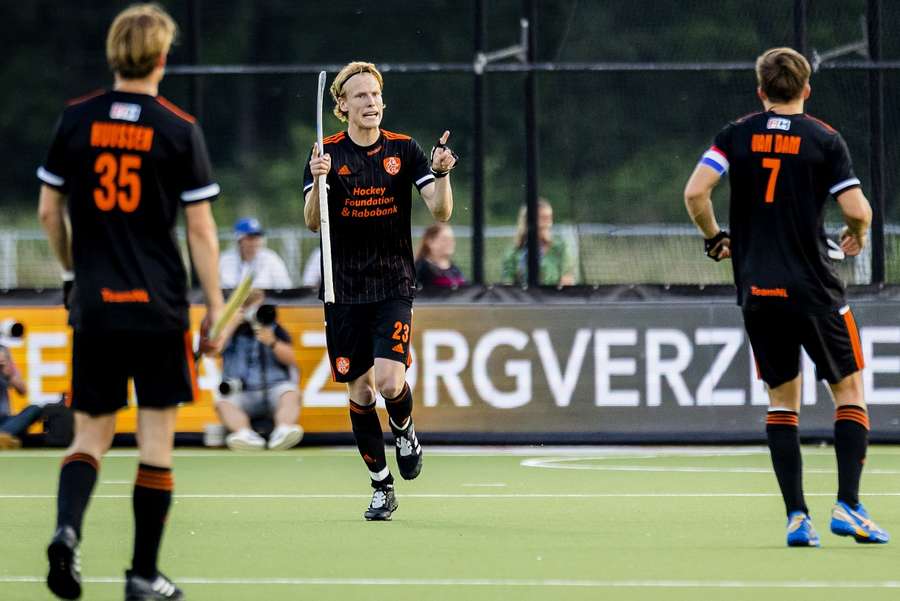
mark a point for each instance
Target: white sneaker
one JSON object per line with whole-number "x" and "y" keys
{"x": 285, "y": 437}
{"x": 245, "y": 440}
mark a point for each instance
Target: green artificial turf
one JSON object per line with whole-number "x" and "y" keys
{"x": 630, "y": 524}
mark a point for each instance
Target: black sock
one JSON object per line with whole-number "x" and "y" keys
{"x": 152, "y": 496}
{"x": 784, "y": 445}
{"x": 851, "y": 439}
{"x": 370, "y": 441}
{"x": 399, "y": 409}
{"x": 76, "y": 482}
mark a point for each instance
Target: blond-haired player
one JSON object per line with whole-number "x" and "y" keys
{"x": 121, "y": 165}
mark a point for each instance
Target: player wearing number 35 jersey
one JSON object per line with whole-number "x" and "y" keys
{"x": 784, "y": 166}
{"x": 121, "y": 166}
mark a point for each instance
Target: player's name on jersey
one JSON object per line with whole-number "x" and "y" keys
{"x": 121, "y": 135}
{"x": 778, "y": 143}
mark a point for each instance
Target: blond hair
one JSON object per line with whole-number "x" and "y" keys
{"x": 351, "y": 69}
{"x": 522, "y": 221}
{"x": 782, "y": 74}
{"x": 139, "y": 36}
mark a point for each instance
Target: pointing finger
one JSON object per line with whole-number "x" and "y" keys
{"x": 445, "y": 136}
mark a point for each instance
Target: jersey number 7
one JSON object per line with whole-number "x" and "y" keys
{"x": 775, "y": 166}
{"x": 120, "y": 182}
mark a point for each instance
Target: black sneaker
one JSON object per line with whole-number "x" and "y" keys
{"x": 409, "y": 452}
{"x": 138, "y": 588}
{"x": 64, "y": 577}
{"x": 383, "y": 504}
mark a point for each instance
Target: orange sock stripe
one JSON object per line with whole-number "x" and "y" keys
{"x": 362, "y": 409}
{"x": 89, "y": 459}
{"x": 783, "y": 419}
{"x": 155, "y": 480}
{"x": 852, "y": 413}
{"x": 854, "y": 338}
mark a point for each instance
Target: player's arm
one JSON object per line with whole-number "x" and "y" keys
{"x": 698, "y": 201}
{"x": 438, "y": 194}
{"x": 52, "y": 214}
{"x": 203, "y": 242}
{"x": 858, "y": 217}
{"x": 318, "y": 165}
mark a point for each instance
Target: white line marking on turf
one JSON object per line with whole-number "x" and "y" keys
{"x": 588, "y": 495}
{"x": 117, "y": 482}
{"x": 573, "y": 463}
{"x": 501, "y": 582}
{"x": 485, "y": 484}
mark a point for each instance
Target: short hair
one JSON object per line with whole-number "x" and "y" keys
{"x": 137, "y": 38}
{"x": 782, "y": 73}
{"x": 351, "y": 69}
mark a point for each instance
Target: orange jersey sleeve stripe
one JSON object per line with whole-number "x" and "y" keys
{"x": 390, "y": 135}
{"x": 174, "y": 109}
{"x": 85, "y": 98}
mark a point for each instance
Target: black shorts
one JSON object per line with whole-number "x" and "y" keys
{"x": 161, "y": 364}
{"x": 831, "y": 340}
{"x": 356, "y": 334}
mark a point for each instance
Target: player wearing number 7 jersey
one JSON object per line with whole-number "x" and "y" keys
{"x": 784, "y": 165}
{"x": 120, "y": 166}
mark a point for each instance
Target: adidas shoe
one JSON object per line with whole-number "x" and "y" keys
{"x": 245, "y": 440}
{"x": 64, "y": 577}
{"x": 409, "y": 452}
{"x": 800, "y": 531}
{"x": 383, "y": 504}
{"x": 285, "y": 437}
{"x": 846, "y": 521}
{"x": 138, "y": 588}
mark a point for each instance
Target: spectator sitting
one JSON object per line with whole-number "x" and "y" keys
{"x": 557, "y": 266}
{"x": 312, "y": 271}
{"x": 434, "y": 265}
{"x": 251, "y": 253}
{"x": 259, "y": 367}
{"x": 13, "y": 426}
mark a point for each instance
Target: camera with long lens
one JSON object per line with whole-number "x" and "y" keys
{"x": 261, "y": 315}
{"x": 10, "y": 328}
{"x": 230, "y": 386}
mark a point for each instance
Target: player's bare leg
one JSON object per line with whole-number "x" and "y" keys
{"x": 287, "y": 432}
{"x": 78, "y": 474}
{"x": 851, "y": 440}
{"x": 370, "y": 442}
{"x": 782, "y": 432}
{"x": 152, "y": 496}
{"x": 241, "y": 436}
{"x": 390, "y": 379}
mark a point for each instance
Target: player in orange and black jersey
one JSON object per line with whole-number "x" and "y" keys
{"x": 121, "y": 165}
{"x": 784, "y": 165}
{"x": 370, "y": 174}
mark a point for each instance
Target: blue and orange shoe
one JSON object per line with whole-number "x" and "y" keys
{"x": 800, "y": 531}
{"x": 847, "y": 521}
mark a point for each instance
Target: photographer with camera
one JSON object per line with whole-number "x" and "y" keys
{"x": 13, "y": 426}
{"x": 259, "y": 379}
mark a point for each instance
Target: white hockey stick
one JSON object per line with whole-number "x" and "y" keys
{"x": 324, "y": 228}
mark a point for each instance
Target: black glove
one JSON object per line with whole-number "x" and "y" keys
{"x": 431, "y": 159}
{"x": 713, "y": 246}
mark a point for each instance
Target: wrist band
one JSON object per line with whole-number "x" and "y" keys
{"x": 439, "y": 174}
{"x": 68, "y": 276}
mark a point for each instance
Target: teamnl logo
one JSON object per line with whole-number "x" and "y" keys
{"x": 778, "y": 123}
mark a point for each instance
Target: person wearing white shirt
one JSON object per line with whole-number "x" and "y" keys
{"x": 251, "y": 253}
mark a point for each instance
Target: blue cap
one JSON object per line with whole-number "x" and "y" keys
{"x": 248, "y": 226}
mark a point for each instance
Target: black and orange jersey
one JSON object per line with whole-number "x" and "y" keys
{"x": 369, "y": 208}
{"x": 782, "y": 168}
{"x": 127, "y": 162}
